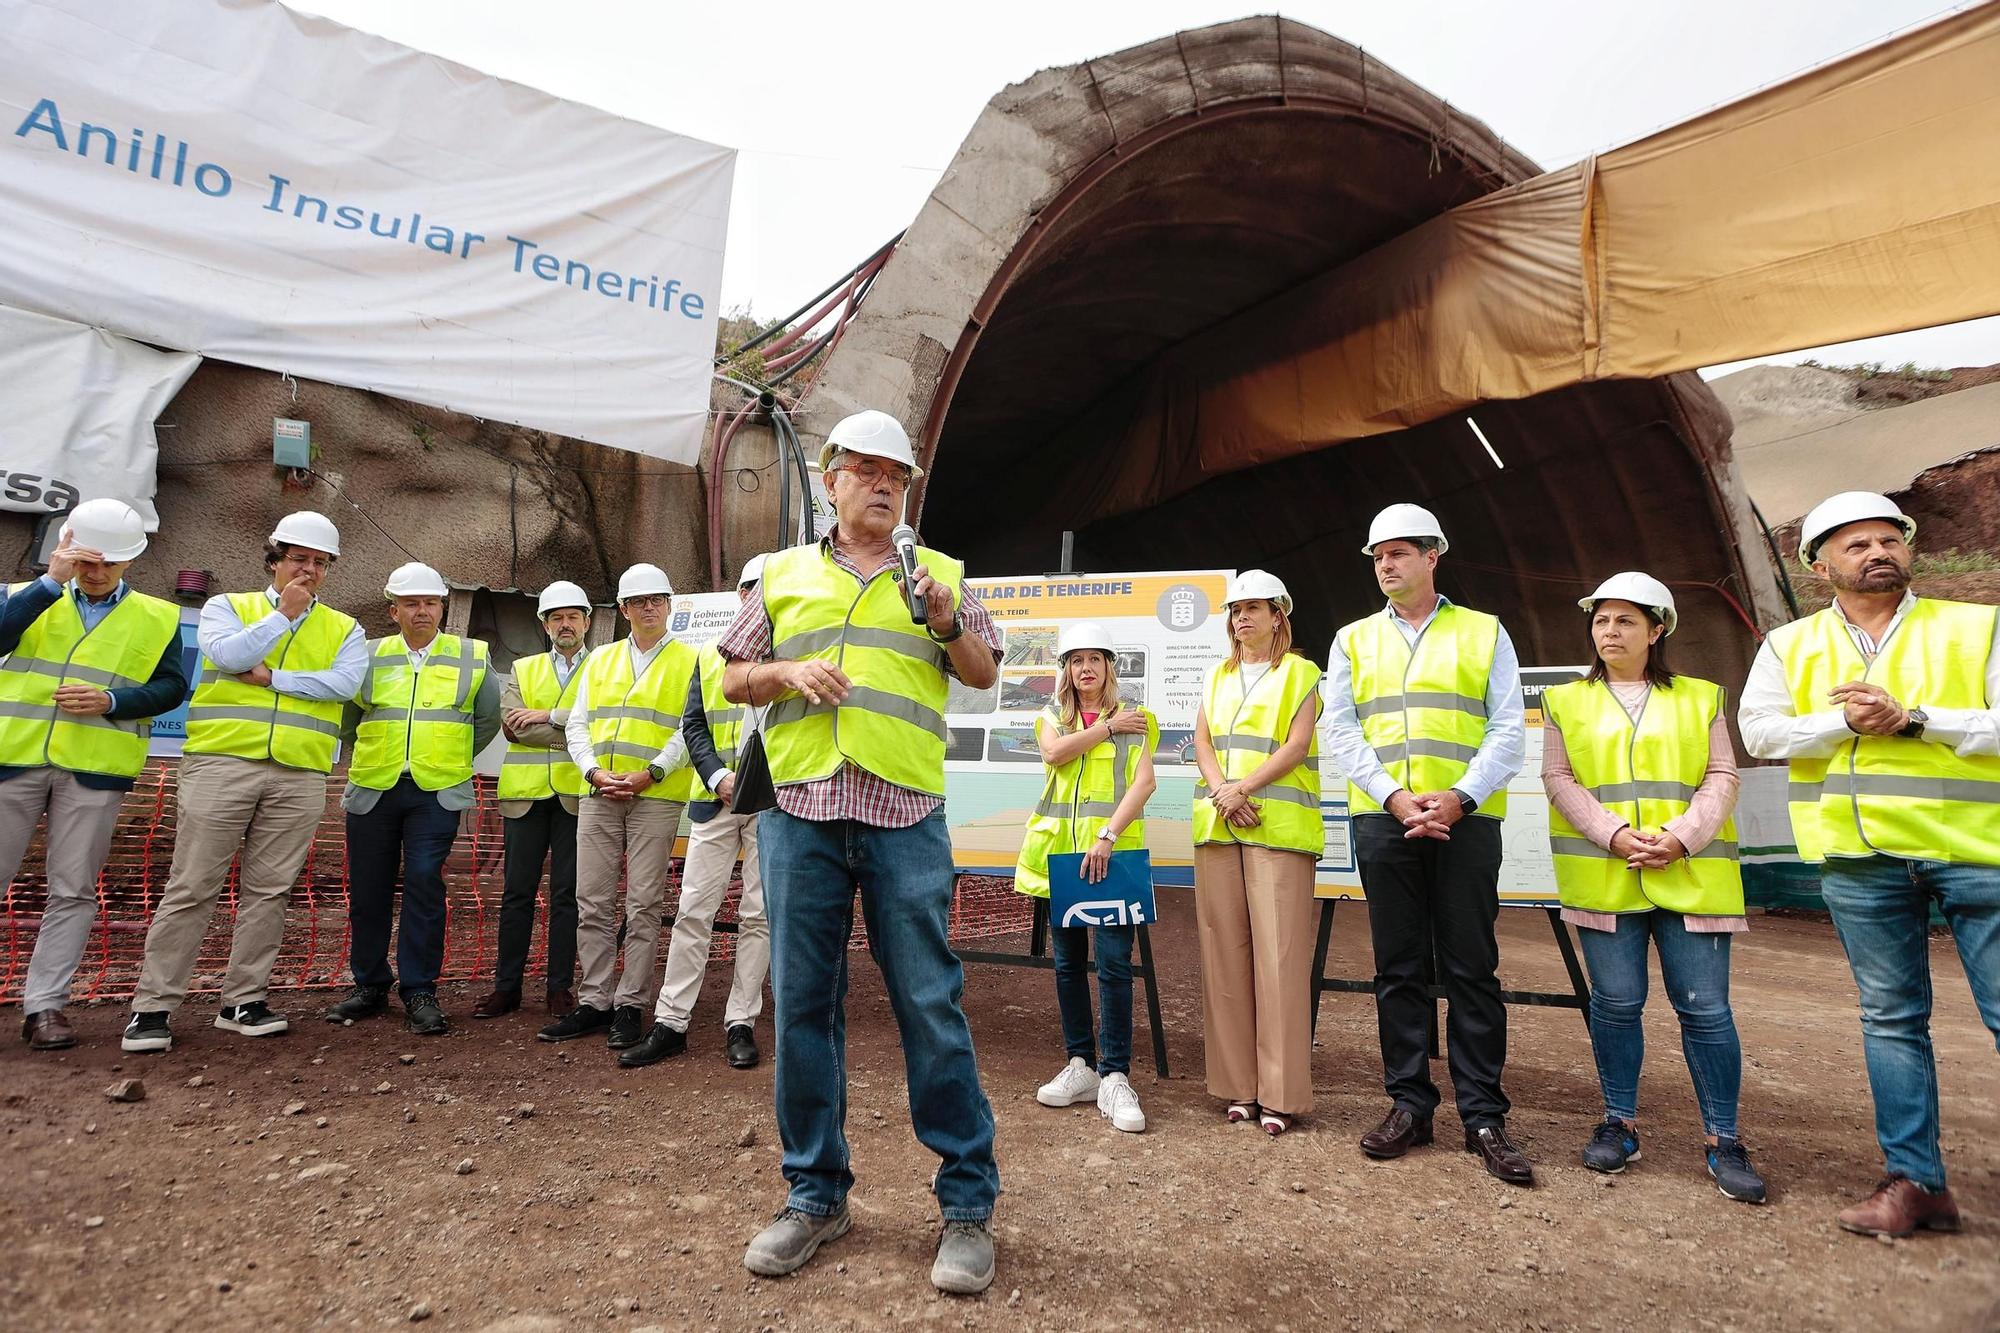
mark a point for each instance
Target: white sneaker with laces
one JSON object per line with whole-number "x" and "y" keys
{"x": 1118, "y": 1103}
{"x": 1076, "y": 1083}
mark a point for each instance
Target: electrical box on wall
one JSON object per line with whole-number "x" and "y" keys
{"x": 291, "y": 442}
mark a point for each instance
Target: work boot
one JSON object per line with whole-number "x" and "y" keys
{"x": 964, "y": 1264}
{"x": 423, "y": 1015}
{"x": 361, "y": 1002}
{"x": 792, "y": 1238}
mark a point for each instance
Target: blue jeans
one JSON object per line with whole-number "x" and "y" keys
{"x": 1071, "y": 945}
{"x": 1881, "y": 906}
{"x": 1695, "y": 971}
{"x": 406, "y": 832}
{"x": 811, "y": 870}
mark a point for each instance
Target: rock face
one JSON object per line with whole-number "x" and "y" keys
{"x": 490, "y": 505}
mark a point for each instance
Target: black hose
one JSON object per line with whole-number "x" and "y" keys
{"x": 806, "y": 309}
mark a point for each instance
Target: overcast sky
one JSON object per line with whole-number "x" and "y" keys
{"x": 844, "y": 115}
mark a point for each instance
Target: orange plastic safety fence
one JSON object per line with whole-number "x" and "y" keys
{"x": 314, "y": 952}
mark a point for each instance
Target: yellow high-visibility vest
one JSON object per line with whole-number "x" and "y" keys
{"x": 725, "y": 719}
{"x": 1646, "y": 772}
{"x": 1423, "y": 711}
{"x": 1900, "y": 796}
{"x": 631, "y": 719}
{"x": 1246, "y": 730}
{"x": 228, "y": 716}
{"x": 892, "y": 721}
{"x": 1079, "y": 799}
{"x": 420, "y": 719}
{"x": 119, "y": 652}
{"x": 534, "y": 772}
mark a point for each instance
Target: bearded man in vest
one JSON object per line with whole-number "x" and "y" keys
{"x": 1424, "y": 716}
{"x": 624, "y": 735}
{"x": 538, "y": 792}
{"x": 427, "y": 707}
{"x": 262, "y": 731}
{"x": 1885, "y": 705}
{"x": 86, "y": 663}
{"x": 855, "y": 737}
{"x": 713, "y": 729}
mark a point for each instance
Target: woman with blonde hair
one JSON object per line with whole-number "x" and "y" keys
{"x": 1258, "y": 835}
{"x": 1098, "y": 753}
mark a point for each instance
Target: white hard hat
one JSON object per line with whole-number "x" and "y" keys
{"x": 1638, "y": 589}
{"x": 753, "y": 570}
{"x": 876, "y": 434}
{"x": 305, "y": 528}
{"x": 1084, "y": 634}
{"x": 1257, "y": 583}
{"x": 111, "y": 528}
{"x": 560, "y": 594}
{"x": 416, "y": 579}
{"x": 643, "y": 581}
{"x": 1405, "y": 521}
{"x": 1836, "y": 512}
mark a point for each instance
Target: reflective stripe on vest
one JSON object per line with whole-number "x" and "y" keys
{"x": 1423, "y": 709}
{"x": 1902, "y": 797}
{"x": 1608, "y": 752}
{"x": 725, "y": 719}
{"x": 420, "y": 720}
{"x": 119, "y": 652}
{"x": 631, "y": 720}
{"x": 1246, "y": 730}
{"x": 892, "y": 721}
{"x": 228, "y": 716}
{"x": 1079, "y": 799}
{"x": 534, "y": 772}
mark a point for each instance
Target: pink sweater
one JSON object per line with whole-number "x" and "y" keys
{"x": 1713, "y": 801}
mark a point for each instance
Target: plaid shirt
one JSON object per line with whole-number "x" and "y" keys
{"x": 852, "y": 792}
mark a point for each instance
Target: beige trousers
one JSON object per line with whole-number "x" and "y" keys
{"x": 1254, "y": 913}
{"x": 81, "y": 822}
{"x": 268, "y": 811}
{"x": 711, "y": 858}
{"x": 637, "y": 836}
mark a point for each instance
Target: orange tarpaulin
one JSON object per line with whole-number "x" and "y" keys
{"x": 1861, "y": 198}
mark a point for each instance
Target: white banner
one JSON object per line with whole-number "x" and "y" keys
{"x": 236, "y": 179}
{"x": 76, "y": 414}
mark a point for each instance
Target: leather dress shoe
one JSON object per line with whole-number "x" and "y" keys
{"x": 741, "y": 1046}
{"x": 1503, "y": 1160}
{"x": 562, "y": 1002}
{"x": 48, "y": 1030}
{"x": 1399, "y": 1132}
{"x": 497, "y": 1002}
{"x": 1898, "y": 1207}
{"x": 662, "y": 1043}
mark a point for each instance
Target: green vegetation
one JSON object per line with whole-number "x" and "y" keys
{"x": 1954, "y": 561}
{"x": 1868, "y": 370}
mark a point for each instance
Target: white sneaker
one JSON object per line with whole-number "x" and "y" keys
{"x": 1075, "y": 1084}
{"x": 1118, "y": 1103}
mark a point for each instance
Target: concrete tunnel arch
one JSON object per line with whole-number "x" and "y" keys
{"x": 1101, "y": 215}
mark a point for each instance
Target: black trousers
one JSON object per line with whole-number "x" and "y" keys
{"x": 1422, "y": 890}
{"x": 546, "y": 831}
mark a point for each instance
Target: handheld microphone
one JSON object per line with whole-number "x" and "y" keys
{"x": 905, "y": 538}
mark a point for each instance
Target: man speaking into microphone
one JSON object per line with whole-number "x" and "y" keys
{"x": 851, "y": 644}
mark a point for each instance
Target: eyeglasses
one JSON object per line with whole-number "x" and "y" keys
{"x": 651, "y": 599}
{"x": 868, "y": 473}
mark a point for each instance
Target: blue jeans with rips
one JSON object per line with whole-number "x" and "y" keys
{"x": 1881, "y": 906}
{"x": 1695, "y": 971}
{"x": 811, "y": 871}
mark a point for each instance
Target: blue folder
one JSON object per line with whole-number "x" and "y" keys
{"x": 1124, "y": 897}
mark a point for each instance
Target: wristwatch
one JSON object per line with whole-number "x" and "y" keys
{"x": 656, "y": 773}
{"x": 957, "y": 628}
{"x": 1914, "y": 728}
{"x": 1107, "y": 835}
{"x": 1466, "y": 805}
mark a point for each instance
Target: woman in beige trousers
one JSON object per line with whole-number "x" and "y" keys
{"x": 1258, "y": 835}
